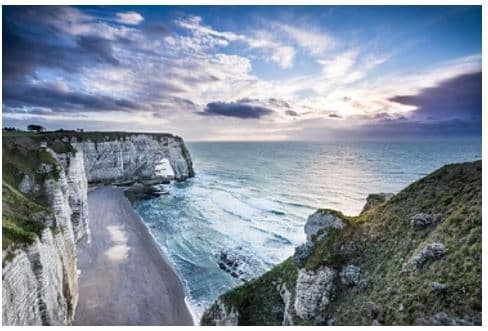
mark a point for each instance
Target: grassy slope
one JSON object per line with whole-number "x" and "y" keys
{"x": 22, "y": 156}
{"x": 384, "y": 241}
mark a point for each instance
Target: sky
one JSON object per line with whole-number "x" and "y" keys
{"x": 246, "y": 72}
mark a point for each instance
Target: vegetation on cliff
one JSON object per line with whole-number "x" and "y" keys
{"x": 24, "y": 215}
{"x": 412, "y": 259}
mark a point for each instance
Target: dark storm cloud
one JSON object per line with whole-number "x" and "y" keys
{"x": 32, "y": 42}
{"x": 49, "y": 96}
{"x": 235, "y": 109}
{"x": 291, "y": 113}
{"x": 457, "y": 98}
{"x": 278, "y": 103}
{"x": 33, "y": 39}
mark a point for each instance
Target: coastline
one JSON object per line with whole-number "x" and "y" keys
{"x": 195, "y": 316}
{"x": 125, "y": 279}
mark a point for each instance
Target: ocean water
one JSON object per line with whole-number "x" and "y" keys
{"x": 248, "y": 202}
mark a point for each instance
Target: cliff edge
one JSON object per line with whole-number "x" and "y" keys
{"x": 409, "y": 259}
{"x": 45, "y": 212}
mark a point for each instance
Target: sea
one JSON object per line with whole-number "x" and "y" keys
{"x": 245, "y": 209}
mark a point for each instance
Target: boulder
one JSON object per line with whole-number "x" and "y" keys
{"x": 421, "y": 221}
{"x": 432, "y": 251}
{"x": 302, "y": 252}
{"x": 350, "y": 275}
{"x": 321, "y": 222}
{"x": 239, "y": 263}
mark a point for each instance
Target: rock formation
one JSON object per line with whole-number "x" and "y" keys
{"x": 45, "y": 212}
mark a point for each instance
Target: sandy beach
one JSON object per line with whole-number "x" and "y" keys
{"x": 125, "y": 280}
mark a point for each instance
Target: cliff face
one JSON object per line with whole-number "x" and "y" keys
{"x": 134, "y": 157}
{"x": 412, "y": 258}
{"x": 45, "y": 210}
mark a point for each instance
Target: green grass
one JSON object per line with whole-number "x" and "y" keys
{"x": 19, "y": 224}
{"x": 384, "y": 240}
{"x": 258, "y": 301}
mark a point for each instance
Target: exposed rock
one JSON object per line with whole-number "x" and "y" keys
{"x": 221, "y": 315}
{"x": 134, "y": 157}
{"x": 302, "y": 252}
{"x": 239, "y": 263}
{"x": 350, "y": 275}
{"x": 44, "y": 168}
{"x": 432, "y": 251}
{"x": 420, "y": 221}
{"x": 375, "y": 199}
{"x": 313, "y": 293}
{"x": 40, "y": 284}
{"x": 136, "y": 193}
{"x": 286, "y": 297}
{"x": 27, "y": 184}
{"x": 439, "y": 288}
{"x": 320, "y": 222}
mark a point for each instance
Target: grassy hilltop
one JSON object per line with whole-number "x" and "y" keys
{"x": 382, "y": 241}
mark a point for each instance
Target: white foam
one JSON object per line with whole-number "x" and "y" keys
{"x": 196, "y": 314}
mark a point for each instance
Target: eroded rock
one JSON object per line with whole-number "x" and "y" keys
{"x": 286, "y": 297}
{"x": 321, "y": 222}
{"x": 302, "y": 252}
{"x": 350, "y": 275}
{"x": 221, "y": 314}
{"x": 432, "y": 251}
{"x": 313, "y": 293}
{"x": 421, "y": 221}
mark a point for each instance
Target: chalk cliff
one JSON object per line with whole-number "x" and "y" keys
{"x": 45, "y": 212}
{"x": 134, "y": 156}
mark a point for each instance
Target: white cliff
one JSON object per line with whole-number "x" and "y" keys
{"x": 135, "y": 156}
{"x": 40, "y": 281}
{"x": 40, "y": 284}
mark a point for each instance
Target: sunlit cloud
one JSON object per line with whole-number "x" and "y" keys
{"x": 272, "y": 76}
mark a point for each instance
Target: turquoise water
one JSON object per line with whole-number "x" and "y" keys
{"x": 250, "y": 201}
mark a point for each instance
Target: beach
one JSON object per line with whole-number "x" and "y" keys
{"x": 124, "y": 277}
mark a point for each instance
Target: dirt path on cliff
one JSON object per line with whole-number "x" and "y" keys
{"x": 125, "y": 280}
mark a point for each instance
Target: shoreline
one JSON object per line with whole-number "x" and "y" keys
{"x": 191, "y": 309}
{"x": 126, "y": 279}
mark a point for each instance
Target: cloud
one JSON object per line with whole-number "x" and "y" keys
{"x": 273, "y": 49}
{"x": 235, "y": 109}
{"x": 314, "y": 42}
{"x": 28, "y": 50}
{"x": 459, "y": 97}
{"x": 58, "y": 99}
{"x": 65, "y": 61}
{"x": 204, "y": 37}
{"x": 130, "y": 18}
